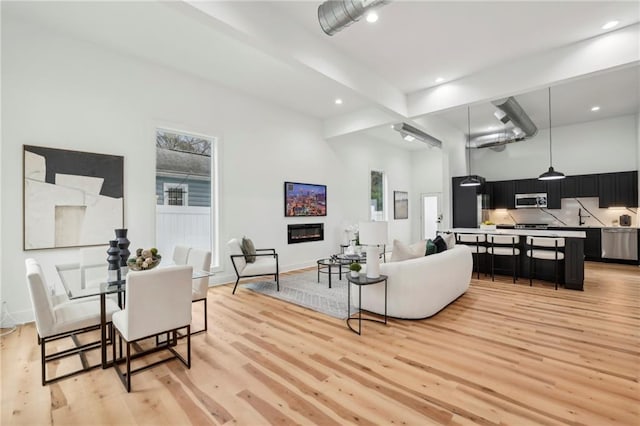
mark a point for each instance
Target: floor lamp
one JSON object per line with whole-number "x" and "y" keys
{"x": 372, "y": 235}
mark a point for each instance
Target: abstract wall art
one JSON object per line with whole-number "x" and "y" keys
{"x": 400, "y": 205}
{"x": 70, "y": 198}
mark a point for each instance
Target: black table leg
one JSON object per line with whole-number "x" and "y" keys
{"x": 103, "y": 329}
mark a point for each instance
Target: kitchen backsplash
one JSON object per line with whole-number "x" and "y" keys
{"x": 566, "y": 216}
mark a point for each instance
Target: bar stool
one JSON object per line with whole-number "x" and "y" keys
{"x": 545, "y": 248}
{"x": 504, "y": 245}
{"x": 476, "y": 241}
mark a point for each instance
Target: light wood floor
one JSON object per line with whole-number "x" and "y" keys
{"x": 501, "y": 354}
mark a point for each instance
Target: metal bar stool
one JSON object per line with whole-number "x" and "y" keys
{"x": 545, "y": 248}
{"x": 476, "y": 241}
{"x": 504, "y": 245}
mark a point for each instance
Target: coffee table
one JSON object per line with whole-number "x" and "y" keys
{"x": 331, "y": 266}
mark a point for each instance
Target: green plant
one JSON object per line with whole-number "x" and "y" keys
{"x": 355, "y": 266}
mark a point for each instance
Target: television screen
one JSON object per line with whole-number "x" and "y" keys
{"x": 304, "y": 199}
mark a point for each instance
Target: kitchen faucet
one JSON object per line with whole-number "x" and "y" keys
{"x": 580, "y": 217}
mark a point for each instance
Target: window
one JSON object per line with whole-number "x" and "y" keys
{"x": 176, "y": 194}
{"x": 377, "y": 205}
{"x": 186, "y": 192}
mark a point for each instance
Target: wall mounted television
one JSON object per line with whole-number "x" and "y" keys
{"x": 304, "y": 199}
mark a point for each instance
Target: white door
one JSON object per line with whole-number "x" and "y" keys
{"x": 431, "y": 215}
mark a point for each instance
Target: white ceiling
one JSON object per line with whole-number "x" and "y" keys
{"x": 251, "y": 47}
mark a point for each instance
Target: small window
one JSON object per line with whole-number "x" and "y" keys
{"x": 377, "y": 206}
{"x": 176, "y": 194}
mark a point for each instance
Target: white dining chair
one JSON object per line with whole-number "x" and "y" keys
{"x": 180, "y": 255}
{"x": 200, "y": 260}
{"x": 157, "y": 302}
{"x": 59, "y": 318}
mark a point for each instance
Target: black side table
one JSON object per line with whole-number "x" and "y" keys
{"x": 361, "y": 281}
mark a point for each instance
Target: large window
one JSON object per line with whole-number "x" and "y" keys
{"x": 186, "y": 207}
{"x": 378, "y": 195}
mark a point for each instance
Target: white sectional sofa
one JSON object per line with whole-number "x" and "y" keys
{"x": 420, "y": 287}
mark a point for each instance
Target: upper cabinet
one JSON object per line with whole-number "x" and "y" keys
{"x": 618, "y": 189}
{"x": 579, "y": 186}
{"x": 530, "y": 186}
{"x": 503, "y": 195}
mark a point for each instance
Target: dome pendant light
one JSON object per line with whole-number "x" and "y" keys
{"x": 469, "y": 180}
{"x": 551, "y": 174}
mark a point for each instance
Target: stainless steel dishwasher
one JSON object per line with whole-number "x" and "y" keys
{"x": 620, "y": 243}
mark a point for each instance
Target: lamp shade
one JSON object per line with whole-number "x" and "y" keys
{"x": 373, "y": 233}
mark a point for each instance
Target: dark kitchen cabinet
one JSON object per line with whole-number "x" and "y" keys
{"x": 618, "y": 189}
{"x": 579, "y": 186}
{"x": 554, "y": 194}
{"x": 592, "y": 244}
{"x": 503, "y": 194}
{"x": 587, "y": 186}
{"x": 530, "y": 186}
{"x": 465, "y": 204}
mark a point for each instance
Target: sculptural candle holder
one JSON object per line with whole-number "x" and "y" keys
{"x": 123, "y": 245}
{"x": 113, "y": 259}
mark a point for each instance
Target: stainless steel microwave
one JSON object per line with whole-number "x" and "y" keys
{"x": 531, "y": 201}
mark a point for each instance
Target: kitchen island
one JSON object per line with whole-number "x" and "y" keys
{"x": 573, "y": 272}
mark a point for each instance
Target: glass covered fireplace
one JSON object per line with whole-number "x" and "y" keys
{"x": 306, "y": 232}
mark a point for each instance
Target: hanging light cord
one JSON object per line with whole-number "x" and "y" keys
{"x": 550, "y": 141}
{"x": 469, "y": 140}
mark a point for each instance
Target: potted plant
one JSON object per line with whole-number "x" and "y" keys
{"x": 355, "y": 268}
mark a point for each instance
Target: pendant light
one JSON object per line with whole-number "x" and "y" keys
{"x": 551, "y": 174}
{"x": 469, "y": 180}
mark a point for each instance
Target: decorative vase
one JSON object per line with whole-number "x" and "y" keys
{"x": 123, "y": 245}
{"x": 355, "y": 274}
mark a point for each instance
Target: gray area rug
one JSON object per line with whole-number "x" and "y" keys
{"x": 304, "y": 289}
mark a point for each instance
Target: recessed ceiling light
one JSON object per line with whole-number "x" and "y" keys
{"x": 595, "y": 108}
{"x": 372, "y": 16}
{"x": 439, "y": 80}
{"x": 338, "y": 101}
{"x": 610, "y": 25}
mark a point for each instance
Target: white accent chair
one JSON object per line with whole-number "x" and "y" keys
{"x": 504, "y": 245}
{"x": 157, "y": 302}
{"x": 266, "y": 263}
{"x": 59, "y": 317}
{"x": 476, "y": 242}
{"x": 545, "y": 248}
{"x": 180, "y": 255}
{"x": 200, "y": 260}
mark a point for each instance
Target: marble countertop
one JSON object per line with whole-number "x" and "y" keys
{"x": 525, "y": 232}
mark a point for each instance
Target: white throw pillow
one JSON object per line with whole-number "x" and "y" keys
{"x": 403, "y": 251}
{"x": 449, "y": 239}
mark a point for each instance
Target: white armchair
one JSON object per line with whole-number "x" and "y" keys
{"x": 266, "y": 263}
{"x": 200, "y": 260}
{"x": 58, "y": 318}
{"x": 157, "y": 302}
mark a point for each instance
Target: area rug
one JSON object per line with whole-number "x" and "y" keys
{"x": 304, "y": 289}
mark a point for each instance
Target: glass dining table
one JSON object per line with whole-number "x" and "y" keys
{"x": 81, "y": 281}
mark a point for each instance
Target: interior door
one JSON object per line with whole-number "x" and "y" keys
{"x": 431, "y": 214}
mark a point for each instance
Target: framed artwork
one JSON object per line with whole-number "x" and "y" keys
{"x": 304, "y": 199}
{"x": 70, "y": 198}
{"x": 400, "y": 205}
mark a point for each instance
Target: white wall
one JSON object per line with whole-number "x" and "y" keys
{"x": 426, "y": 177}
{"x": 358, "y": 155}
{"x": 65, "y": 93}
{"x": 601, "y": 146}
